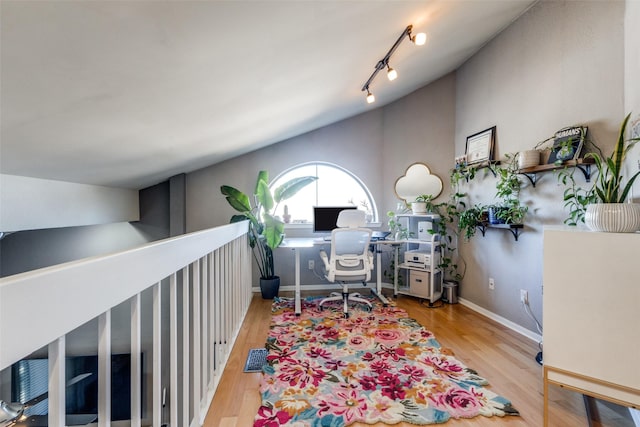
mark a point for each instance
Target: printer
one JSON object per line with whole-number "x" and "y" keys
{"x": 420, "y": 258}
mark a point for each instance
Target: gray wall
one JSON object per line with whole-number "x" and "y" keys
{"x": 560, "y": 64}
{"x": 32, "y": 249}
{"x": 377, "y": 146}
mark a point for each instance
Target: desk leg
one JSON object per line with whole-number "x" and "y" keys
{"x": 395, "y": 271}
{"x": 297, "y": 296}
{"x": 378, "y": 291}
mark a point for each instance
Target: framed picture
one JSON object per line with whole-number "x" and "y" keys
{"x": 480, "y": 146}
{"x": 567, "y": 144}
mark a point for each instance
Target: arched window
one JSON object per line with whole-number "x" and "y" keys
{"x": 335, "y": 186}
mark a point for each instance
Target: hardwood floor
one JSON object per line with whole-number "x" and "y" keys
{"x": 500, "y": 355}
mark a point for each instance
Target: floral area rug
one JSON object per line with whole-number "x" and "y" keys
{"x": 327, "y": 371}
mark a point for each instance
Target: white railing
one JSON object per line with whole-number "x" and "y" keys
{"x": 206, "y": 277}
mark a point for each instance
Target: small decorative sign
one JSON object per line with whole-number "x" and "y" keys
{"x": 480, "y": 146}
{"x": 567, "y": 144}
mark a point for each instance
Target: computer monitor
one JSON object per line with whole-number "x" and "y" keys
{"x": 325, "y": 217}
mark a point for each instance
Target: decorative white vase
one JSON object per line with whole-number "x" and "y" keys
{"x": 613, "y": 217}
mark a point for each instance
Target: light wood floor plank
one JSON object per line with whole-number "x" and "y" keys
{"x": 505, "y": 358}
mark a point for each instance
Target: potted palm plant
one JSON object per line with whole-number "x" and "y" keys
{"x": 266, "y": 231}
{"x": 606, "y": 207}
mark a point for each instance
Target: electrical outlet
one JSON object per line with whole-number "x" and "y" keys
{"x": 524, "y": 296}
{"x": 312, "y": 264}
{"x": 492, "y": 284}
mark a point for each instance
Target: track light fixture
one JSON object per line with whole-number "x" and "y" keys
{"x": 418, "y": 39}
{"x": 370, "y": 98}
{"x": 391, "y": 73}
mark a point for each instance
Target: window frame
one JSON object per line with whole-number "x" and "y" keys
{"x": 375, "y": 219}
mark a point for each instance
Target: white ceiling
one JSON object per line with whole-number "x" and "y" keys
{"x": 129, "y": 93}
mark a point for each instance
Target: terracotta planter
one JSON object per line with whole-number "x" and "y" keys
{"x": 613, "y": 217}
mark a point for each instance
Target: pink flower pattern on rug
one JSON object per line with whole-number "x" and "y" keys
{"x": 381, "y": 366}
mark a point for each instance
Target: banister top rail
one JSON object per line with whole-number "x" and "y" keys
{"x": 40, "y": 306}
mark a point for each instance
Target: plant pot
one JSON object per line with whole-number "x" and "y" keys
{"x": 419, "y": 208}
{"x": 493, "y": 215}
{"x": 269, "y": 287}
{"x": 528, "y": 159}
{"x": 613, "y": 217}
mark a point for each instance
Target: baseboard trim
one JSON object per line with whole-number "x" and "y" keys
{"x": 505, "y": 322}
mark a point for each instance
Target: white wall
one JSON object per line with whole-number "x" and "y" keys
{"x": 632, "y": 83}
{"x": 33, "y": 203}
{"x": 560, "y": 64}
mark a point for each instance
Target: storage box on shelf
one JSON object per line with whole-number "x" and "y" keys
{"x": 418, "y": 258}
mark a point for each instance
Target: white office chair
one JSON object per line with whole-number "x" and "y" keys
{"x": 351, "y": 260}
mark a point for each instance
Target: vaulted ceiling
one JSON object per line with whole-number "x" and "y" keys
{"x": 128, "y": 93}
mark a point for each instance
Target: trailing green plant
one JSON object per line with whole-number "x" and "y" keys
{"x": 510, "y": 209}
{"x": 576, "y": 199}
{"x": 390, "y": 274}
{"x": 463, "y": 171}
{"x": 607, "y": 187}
{"x": 512, "y": 212}
{"x": 396, "y": 228}
{"x": 446, "y": 227}
{"x": 469, "y": 219}
{"x": 266, "y": 231}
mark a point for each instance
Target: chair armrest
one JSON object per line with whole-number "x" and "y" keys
{"x": 325, "y": 259}
{"x": 370, "y": 256}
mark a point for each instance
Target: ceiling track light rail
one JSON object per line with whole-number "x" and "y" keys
{"x": 418, "y": 39}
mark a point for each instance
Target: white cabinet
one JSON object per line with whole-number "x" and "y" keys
{"x": 591, "y": 302}
{"x": 418, "y": 258}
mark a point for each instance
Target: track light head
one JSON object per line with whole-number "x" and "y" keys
{"x": 370, "y": 98}
{"x": 391, "y": 73}
{"x": 419, "y": 39}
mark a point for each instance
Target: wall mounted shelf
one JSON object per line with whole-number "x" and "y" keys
{"x": 583, "y": 164}
{"x": 464, "y": 170}
{"x": 515, "y": 229}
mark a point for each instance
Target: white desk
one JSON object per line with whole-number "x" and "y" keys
{"x": 297, "y": 243}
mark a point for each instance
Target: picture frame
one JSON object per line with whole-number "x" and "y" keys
{"x": 567, "y": 144}
{"x": 480, "y": 146}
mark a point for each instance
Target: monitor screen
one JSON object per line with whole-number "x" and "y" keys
{"x": 325, "y": 217}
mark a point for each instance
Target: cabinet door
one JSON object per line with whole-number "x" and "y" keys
{"x": 419, "y": 283}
